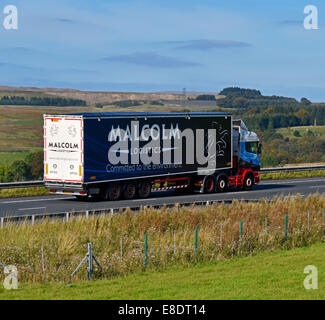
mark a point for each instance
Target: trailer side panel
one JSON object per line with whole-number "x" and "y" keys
{"x": 119, "y": 148}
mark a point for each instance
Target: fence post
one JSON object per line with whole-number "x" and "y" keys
{"x": 324, "y": 222}
{"x": 146, "y": 250}
{"x": 286, "y": 227}
{"x": 43, "y": 267}
{"x": 266, "y": 227}
{"x": 121, "y": 249}
{"x": 196, "y": 230}
{"x": 174, "y": 241}
{"x": 89, "y": 257}
{"x": 241, "y": 230}
{"x": 90, "y": 261}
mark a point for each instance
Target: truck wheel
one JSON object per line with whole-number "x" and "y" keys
{"x": 144, "y": 189}
{"x": 248, "y": 181}
{"x": 209, "y": 184}
{"x": 129, "y": 191}
{"x": 222, "y": 184}
{"x": 96, "y": 197}
{"x": 113, "y": 192}
{"x": 82, "y": 198}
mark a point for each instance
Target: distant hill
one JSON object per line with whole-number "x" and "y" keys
{"x": 104, "y": 97}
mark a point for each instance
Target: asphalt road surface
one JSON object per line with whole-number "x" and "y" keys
{"x": 63, "y": 203}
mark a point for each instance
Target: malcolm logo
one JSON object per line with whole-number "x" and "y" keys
{"x": 63, "y": 145}
{"x": 158, "y": 144}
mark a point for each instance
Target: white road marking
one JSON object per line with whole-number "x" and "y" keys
{"x": 37, "y": 208}
{"x": 317, "y": 187}
{"x": 33, "y": 200}
{"x": 145, "y": 199}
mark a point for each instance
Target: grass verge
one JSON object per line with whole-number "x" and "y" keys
{"x": 23, "y": 192}
{"x": 171, "y": 237}
{"x": 292, "y": 175}
{"x": 269, "y": 275}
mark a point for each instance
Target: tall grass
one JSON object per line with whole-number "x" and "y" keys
{"x": 23, "y": 192}
{"x": 65, "y": 243}
{"x": 292, "y": 174}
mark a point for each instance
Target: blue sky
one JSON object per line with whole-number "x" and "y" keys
{"x": 163, "y": 45}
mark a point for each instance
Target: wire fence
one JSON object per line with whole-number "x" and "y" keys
{"x": 122, "y": 253}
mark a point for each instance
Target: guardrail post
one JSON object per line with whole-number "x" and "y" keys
{"x": 33, "y": 219}
{"x": 87, "y": 214}
{"x": 220, "y": 235}
{"x": 2, "y": 222}
{"x": 67, "y": 217}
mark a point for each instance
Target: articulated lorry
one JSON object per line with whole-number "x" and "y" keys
{"x": 127, "y": 155}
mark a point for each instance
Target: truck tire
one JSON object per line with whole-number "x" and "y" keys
{"x": 113, "y": 192}
{"x": 209, "y": 184}
{"x": 248, "y": 181}
{"x": 144, "y": 189}
{"x": 222, "y": 184}
{"x": 82, "y": 198}
{"x": 96, "y": 197}
{"x": 130, "y": 191}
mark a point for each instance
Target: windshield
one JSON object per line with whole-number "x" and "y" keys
{"x": 253, "y": 147}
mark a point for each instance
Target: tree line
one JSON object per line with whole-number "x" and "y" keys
{"x": 31, "y": 168}
{"x": 236, "y": 97}
{"x": 282, "y": 117}
{"x": 41, "y": 101}
{"x": 279, "y": 150}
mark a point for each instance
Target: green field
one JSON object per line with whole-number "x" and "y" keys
{"x": 21, "y": 129}
{"x": 271, "y": 275}
{"x": 289, "y": 132}
{"x": 9, "y": 157}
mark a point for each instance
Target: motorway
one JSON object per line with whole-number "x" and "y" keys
{"x": 65, "y": 203}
